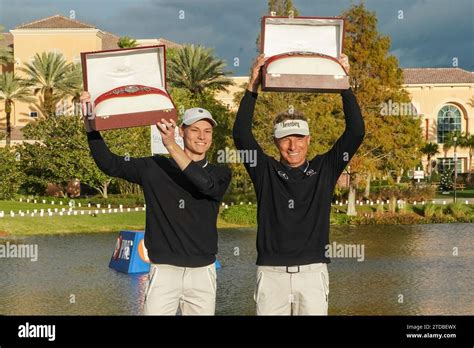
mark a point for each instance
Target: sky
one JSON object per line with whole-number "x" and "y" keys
{"x": 432, "y": 33}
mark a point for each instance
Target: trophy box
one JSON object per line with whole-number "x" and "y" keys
{"x": 127, "y": 87}
{"x": 303, "y": 54}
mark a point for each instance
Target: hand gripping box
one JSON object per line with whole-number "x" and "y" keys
{"x": 303, "y": 54}
{"x": 127, "y": 87}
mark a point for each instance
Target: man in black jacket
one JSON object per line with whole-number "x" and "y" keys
{"x": 182, "y": 196}
{"x": 294, "y": 198}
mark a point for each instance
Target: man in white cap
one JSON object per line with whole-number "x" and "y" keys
{"x": 182, "y": 194}
{"x": 294, "y": 197}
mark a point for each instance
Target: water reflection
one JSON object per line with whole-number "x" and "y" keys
{"x": 407, "y": 270}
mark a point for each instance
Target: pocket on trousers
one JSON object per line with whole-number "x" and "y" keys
{"x": 151, "y": 279}
{"x": 258, "y": 285}
{"x": 325, "y": 284}
{"x": 211, "y": 272}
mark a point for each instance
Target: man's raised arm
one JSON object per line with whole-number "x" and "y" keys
{"x": 348, "y": 143}
{"x": 111, "y": 164}
{"x": 242, "y": 130}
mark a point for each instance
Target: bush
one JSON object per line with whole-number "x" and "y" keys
{"x": 429, "y": 210}
{"x": 390, "y": 219}
{"x": 245, "y": 214}
{"x": 408, "y": 193}
{"x": 10, "y": 174}
{"x": 458, "y": 210}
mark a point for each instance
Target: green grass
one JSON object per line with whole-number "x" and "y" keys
{"x": 16, "y": 206}
{"x": 244, "y": 215}
{"x": 27, "y": 225}
{"x": 467, "y": 193}
{"x": 72, "y": 224}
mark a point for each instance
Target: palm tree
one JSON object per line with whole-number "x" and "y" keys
{"x": 12, "y": 89}
{"x": 74, "y": 89}
{"x": 53, "y": 77}
{"x": 6, "y": 55}
{"x": 449, "y": 141}
{"x": 196, "y": 69}
{"x": 127, "y": 42}
{"x": 430, "y": 150}
{"x": 467, "y": 142}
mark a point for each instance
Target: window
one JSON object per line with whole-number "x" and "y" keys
{"x": 449, "y": 120}
{"x": 33, "y": 113}
{"x": 448, "y": 163}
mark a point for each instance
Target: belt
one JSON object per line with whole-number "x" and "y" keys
{"x": 296, "y": 268}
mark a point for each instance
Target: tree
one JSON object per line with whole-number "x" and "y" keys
{"x": 429, "y": 150}
{"x": 10, "y": 174}
{"x": 127, "y": 42}
{"x": 449, "y": 141}
{"x": 6, "y": 54}
{"x": 446, "y": 182}
{"x": 12, "y": 89}
{"x": 392, "y": 140}
{"x": 61, "y": 156}
{"x": 52, "y": 78}
{"x": 467, "y": 142}
{"x": 196, "y": 69}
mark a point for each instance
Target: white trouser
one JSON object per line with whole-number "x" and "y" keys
{"x": 192, "y": 289}
{"x": 295, "y": 290}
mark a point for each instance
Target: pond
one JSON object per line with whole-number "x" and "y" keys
{"x": 406, "y": 270}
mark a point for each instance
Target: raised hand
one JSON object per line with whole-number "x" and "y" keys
{"x": 85, "y": 99}
{"x": 167, "y": 131}
{"x": 344, "y": 60}
{"x": 256, "y": 77}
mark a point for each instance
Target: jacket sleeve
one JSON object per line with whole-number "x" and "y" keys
{"x": 212, "y": 183}
{"x": 346, "y": 146}
{"x": 244, "y": 139}
{"x": 127, "y": 168}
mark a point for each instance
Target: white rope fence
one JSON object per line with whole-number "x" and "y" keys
{"x": 70, "y": 211}
{"x": 91, "y": 211}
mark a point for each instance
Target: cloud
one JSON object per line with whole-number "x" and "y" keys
{"x": 430, "y": 35}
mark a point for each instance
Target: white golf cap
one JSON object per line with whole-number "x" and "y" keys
{"x": 197, "y": 114}
{"x": 290, "y": 127}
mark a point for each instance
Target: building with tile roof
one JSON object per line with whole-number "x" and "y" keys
{"x": 59, "y": 34}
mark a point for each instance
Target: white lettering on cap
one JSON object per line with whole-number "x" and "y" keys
{"x": 289, "y": 127}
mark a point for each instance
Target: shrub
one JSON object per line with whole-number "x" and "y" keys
{"x": 10, "y": 174}
{"x": 390, "y": 219}
{"x": 458, "y": 210}
{"x": 429, "y": 210}
{"x": 245, "y": 214}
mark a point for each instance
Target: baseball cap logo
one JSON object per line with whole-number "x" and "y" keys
{"x": 196, "y": 114}
{"x": 291, "y": 124}
{"x": 290, "y": 127}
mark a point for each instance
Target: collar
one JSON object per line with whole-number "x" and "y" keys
{"x": 304, "y": 167}
{"x": 202, "y": 163}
